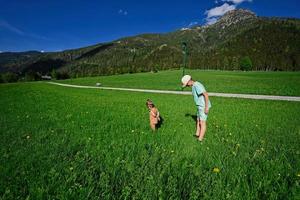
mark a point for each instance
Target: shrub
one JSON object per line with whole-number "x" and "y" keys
{"x": 9, "y": 77}
{"x": 62, "y": 75}
{"x": 54, "y": 74}
{"x": 32, "y": 76}
{"x": 246, "y": 64}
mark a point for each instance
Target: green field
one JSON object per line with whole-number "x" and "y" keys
{"x": 269, "y": 83}
{"x": 67, "y": 143}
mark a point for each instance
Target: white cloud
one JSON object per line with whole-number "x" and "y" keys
{"x": 192, "y": 24}
{"x": 123, "y": 12}
{"x": 210, "y": 21}
{"x": 185, "y": 29}
{"x": 237, "y": 1}
{"x": 5, "y": 25}
{"x": 213, "y": 14}
{"x": 219, "y": 11}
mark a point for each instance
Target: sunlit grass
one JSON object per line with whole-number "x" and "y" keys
{"x": 68, "y": 143}
{"x": 270, "y": 83}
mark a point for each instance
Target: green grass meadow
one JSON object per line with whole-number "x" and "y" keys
{"x": 70, "y": 143}
{"x": 268, "y": 83}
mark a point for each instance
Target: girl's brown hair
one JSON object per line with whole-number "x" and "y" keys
{"x": 149, "y": 102}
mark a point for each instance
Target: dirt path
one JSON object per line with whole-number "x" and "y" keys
{"x": 229, "y": 95}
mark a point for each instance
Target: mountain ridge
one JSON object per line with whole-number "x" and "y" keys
{"x": 223, "y": 45}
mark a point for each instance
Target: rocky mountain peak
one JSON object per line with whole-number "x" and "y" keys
{"x": 235, "y": 16}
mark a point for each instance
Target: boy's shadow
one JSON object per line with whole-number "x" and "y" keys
{"x": 194, "y": 117}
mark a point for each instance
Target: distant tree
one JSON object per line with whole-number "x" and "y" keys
{"x": 226, "y": 63}
{"x": 32, "y": 76}
{"x": 155, "y": 68}
{"x": 246, "y": 64}
{"x": 62, "y": 75}
{"x": 53, "y": 74}
{"x": 235, "y": 63}
{"x": 9, "y": 77}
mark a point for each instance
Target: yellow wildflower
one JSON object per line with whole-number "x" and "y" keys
{"x": 216, "y": 170}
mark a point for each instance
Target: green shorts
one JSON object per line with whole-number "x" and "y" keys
{"x": 200, "y": 114}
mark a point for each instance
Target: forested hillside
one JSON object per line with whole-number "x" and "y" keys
{"x": 240, "y": 40}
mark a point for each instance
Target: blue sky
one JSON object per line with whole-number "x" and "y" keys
{"x": 54, "y": 25}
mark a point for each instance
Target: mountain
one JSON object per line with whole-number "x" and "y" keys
{"x": 237, "y": 37}
{"x": 8, "y": 59}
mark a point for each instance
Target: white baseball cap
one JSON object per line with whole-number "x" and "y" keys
{"x": 185, "y": 79}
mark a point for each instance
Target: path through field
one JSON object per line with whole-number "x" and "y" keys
{"x": 230, "y": 95}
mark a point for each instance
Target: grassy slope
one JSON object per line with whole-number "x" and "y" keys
{"x": 73, "y": 143}
{"x": 272, "y": 83}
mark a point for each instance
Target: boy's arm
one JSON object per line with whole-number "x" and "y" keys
{"x": 205, "y": 94}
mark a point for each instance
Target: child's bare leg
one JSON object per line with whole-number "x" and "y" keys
{"x": 153, "y": 126}
{"x": 202, "y": 130}
{"x": 197, "y": 128}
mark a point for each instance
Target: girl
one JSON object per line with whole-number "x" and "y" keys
{"x": 153, "y": 114}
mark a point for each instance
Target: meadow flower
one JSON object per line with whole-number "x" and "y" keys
{"x": 28, "y": 137}
{"x": 298, "y": 174}
{"x": 216, "y": 170}
{"x": 172, "y": 151}
{"x": 71, "y": 168}
{"x": 132, "y": 131}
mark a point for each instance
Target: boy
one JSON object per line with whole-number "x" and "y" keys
{"x": 202, "y": 103}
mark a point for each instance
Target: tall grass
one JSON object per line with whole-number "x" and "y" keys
{"x": 66, "y": 143}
